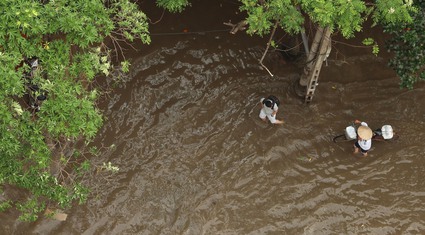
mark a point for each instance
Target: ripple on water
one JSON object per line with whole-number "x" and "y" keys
{"x": 194, "y": 157}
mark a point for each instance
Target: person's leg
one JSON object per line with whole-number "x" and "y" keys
{"x": 271, "y": 118}
{"x": 263, "y": 115}
{"x": 356, "y": 147}
{"x": 364, "y": 152}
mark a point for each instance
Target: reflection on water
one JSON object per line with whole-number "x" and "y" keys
{"x": 195, "y": 158}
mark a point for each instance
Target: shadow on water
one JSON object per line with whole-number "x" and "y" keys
{"x": 194, "y": 157}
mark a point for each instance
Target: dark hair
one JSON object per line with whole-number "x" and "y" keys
{"x": 268, "y": 103}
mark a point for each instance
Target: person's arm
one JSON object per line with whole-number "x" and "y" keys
{"x": 357, "y": 122}
{"x": 261, "y": 102}
{"x": 279, "y": 122}
{"x": 360, "y": 122}
{"x": 275, "y": 108}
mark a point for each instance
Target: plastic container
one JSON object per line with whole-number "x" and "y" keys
{"x": 387, "y": 132}
{"x": 350, "y": 133}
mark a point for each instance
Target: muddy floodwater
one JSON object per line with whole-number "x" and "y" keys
{"x": 194, "y": 158}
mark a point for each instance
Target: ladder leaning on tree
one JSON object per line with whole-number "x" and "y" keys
{"x": 320, "y": 50}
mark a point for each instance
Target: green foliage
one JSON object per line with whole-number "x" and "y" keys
{"x": 371, "y": 42}
{"x": 348, "y": 17}
{"x": 368, "y": 41}
{"x": 125, "y": 66}
{"x": 408, "y": 45}
{"x": 83, "y": 21}
{"x": 67, "y": 36}
{"x": 11, "y": 84}
{"x": 394, "y": 12}
{"x": 30, "y": 209}
{"x": 69, "y": 111}
{"x": 109, "y": 167}
{"x": 344, "y": 16}
{"x": 5, "y": 205}
{"x": 132, "y": 24}
{"x": 375, "y": 49}
{"x": 173, "y": 5}
{"x": 261, "y": 16}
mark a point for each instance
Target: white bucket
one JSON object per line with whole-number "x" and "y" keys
{"x": 350, "y": 133}
{"x": 387, "y": 132}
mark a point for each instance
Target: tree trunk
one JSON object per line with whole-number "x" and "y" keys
{"x": 305, "y": 42}
{"x": 311, "y": 57}
{"x": 313, "y": 76}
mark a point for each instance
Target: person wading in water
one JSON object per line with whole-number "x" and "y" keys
{"x": 269, "y": 108}
{"x": 364, "y": 138}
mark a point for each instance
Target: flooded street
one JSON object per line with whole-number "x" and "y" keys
{"x": 195, "y": 158}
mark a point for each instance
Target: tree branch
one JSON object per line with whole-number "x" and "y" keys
{"x": 267, "y": 48}
{"x": 237, "y": 27}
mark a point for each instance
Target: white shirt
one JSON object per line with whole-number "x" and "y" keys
{"x": 365, "y": 144}
{"x": 268, "y": 110}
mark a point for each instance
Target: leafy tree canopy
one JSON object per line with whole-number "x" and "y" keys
{"x": 50, "y": 51}
{"x": 173, "y": 5}
{"x": 345, "y": 16}
{"x": 408, "y": 44}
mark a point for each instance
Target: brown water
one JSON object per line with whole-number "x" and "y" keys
{"x": 195, "y": 158}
